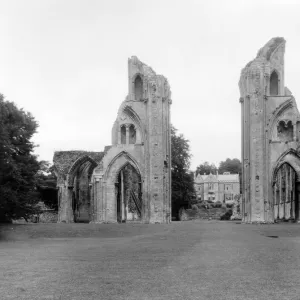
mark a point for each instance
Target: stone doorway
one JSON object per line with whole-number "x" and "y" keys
{"x": 286, "y": 197}
{"x": 81, "y": 194}
{"x": 129, "y": 195}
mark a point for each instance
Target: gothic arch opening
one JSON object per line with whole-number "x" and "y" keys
{"x": 81, "y": 193}
{"x": 274, "y": 84}
{"x": 123, "y": 134}
{"x": 285, "y": 197}
{"x": 285, "y": 131}
{"x": 138, "y": 88}
{"x": 128, "y": 194}
{"x": 132, "y": 134}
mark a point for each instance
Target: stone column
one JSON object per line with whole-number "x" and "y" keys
{"x": 286, "y": 198}
{"x": 290, "y": 190}
{"x": 274, "y": 199}
{"x": 122, "y": 204}
{"x": 99, "y": 203}
{"x": 119, "y": 135}
{"x": 277, "y": 199}
{"x": 297, "y": 198}
{"x": 92, "y": 203}
{"x": 65, "y": 213}
{"x": 280, "y": 191}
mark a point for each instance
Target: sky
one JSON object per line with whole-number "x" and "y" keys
{"x": 66, "y": 63}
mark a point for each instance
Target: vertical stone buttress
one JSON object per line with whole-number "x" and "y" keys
{"x": 157, "y": 156}
{"x": 254, "y": 188}
{"x": 254, "y": 89}
{"x": 158, "y": 124}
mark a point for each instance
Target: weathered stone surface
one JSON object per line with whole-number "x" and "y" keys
{"x": 94, "y": 186}
{"x": 270, "y": 137}
{"x": 237, "y": 208}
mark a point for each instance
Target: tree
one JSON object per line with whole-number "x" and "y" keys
{"x": 46, "y": 185}
{"x": 18, "y": 166}
{"x": 230, "y": 165}
{"x": 182, "y": 180}
{"x": 206, "y": 168}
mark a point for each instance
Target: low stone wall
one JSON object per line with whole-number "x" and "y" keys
{"x": 48, "y": 217}
{"x": 236, "y": 209}
{"x": 201, "y": 213}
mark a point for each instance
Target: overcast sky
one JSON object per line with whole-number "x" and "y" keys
{"x": 66, "y": 62}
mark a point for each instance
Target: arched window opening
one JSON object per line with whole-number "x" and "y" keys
{"x": 274, "y": 82}
{"x": 132, "y": 134}
{"x": 285, "y": 131}
{"x": 285, "y": 200}
{"x": 138, "y": 88}
{"x": 123, "y": 135}
{"x": 129, "y": 195}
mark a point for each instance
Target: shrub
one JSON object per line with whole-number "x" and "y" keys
{"x": 182, "y": 214}
{"x": 195, "y": 207}
{"x": 218, "y": 204}
{"x": 226, "y": 216}
{"x": 229, "y": 205}
{"x": 202, "y": 205}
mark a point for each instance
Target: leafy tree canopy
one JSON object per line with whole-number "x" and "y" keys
{"x": 46, "y": 185}
{"x": 18, "y": 166}
{"x": 206, "y": 168}
{"x": 182, "y": 179}
{"x": 230, "y": 165}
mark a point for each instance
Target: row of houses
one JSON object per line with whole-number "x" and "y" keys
{"x": 219, "y": 187}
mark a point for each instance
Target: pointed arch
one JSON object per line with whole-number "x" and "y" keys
{"x": 129, "y": 159}
{"x": 79, "y": 162}
{"x": 289, "y": 157}
{"x": 288, "y": 104}
{"x": 123, "y": 166}
{"x": 138, "y": 87}
{"x": 128, "y": 110}
{"x": 274, "y": 83}
{"x": 132, "y": 134}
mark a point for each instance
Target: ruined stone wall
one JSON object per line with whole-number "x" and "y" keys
{"x": 147, "y": 108}
{"x": 269, "y": 124}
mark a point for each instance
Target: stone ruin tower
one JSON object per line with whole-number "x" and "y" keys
{"x": 270, "y": 139}
{"x": 130, "y": 181}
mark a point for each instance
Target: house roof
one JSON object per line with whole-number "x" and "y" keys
{"x": 233, "y": 178}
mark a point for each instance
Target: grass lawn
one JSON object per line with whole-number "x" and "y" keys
{"x": 182, "y": 260}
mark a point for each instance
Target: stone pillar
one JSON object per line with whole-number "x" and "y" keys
{"x": 280, "y": 191}
{"x": 287, "y": 191}
{"x": 92, "y": 204}
{"x": 122, "y": 204}
{"x": 99, "y": 204}
{"x": 297, "y": 198}
{"x": 65, "y": 213}
{"x": 119, "y": 135}
{"x": 277, "y": 199}
{"x": 290, "y": 193}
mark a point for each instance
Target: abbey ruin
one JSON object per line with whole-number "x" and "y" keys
{"x": 130, "y": 180}
{"x": 270, "y": 139}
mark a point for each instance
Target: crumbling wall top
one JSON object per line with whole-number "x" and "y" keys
{"x": 63, "y": 160}
{"x": 267, "y": 51}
